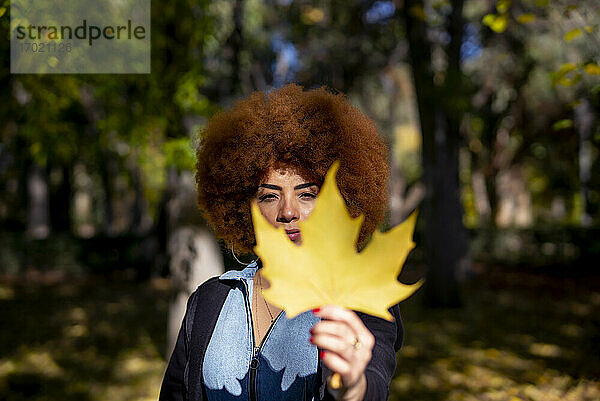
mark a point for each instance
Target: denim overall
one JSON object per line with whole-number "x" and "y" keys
{"x": 283, "y": 368}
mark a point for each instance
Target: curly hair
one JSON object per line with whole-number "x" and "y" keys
{"x": 308, "y": 130}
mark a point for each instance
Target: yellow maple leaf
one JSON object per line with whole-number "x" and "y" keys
{"x": 326, "y": 269}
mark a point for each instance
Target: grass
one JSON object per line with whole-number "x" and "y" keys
{"x": 519, "y": 336}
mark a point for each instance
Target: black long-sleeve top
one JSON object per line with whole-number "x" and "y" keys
{"x": 183, "y": 377}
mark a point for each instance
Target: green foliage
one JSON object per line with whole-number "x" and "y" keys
{"x": 532, "y": 83}
{"x": 536, "y": 61}
{"x": 188, "y": 96}
{"x": 562, "y": 124}
{"x": 62, "y": 120}
{"x": 180, "y": 154}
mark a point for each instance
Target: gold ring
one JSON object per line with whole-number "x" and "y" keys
{"x": 356, "y": 344}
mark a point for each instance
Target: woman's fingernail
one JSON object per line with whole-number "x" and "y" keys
{"x": 321, "y": 354}
{"x": 311, "y": 331}
{"x": 316, "y": 310}
{"x": 311, "y": 340}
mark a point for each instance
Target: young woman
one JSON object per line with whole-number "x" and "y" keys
{"x": 233, "y": 344}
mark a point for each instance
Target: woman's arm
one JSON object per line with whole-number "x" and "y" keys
{"x": 174, "y": 385}
{"x": 388, "y": 339}
{"x": 202, "y": 311}
{"x": 380, "y": 339}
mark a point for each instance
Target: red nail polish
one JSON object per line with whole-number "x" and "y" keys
{"x": 316, "y": 310}
{"x": 321, "y": 354}
{"x": 311, "y": 340}
{"x": 311, "y": 331}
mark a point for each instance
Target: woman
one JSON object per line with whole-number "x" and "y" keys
{"x": 233, "y": 344}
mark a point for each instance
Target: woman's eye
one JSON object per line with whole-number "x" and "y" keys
{"x": 266, "y": 197}
{"x": 308, "y": 195}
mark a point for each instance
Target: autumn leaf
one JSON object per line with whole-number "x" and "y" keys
{"x": 496, "y": 23}
{"x": 326, "y": 269}
{"x": 572, "y": 34}
{"x": 526, "y": 18}
{"x": 562, "y": 124}
{"x": 566, "y": 75}
{"x": 592, "y": 69}
{"x": 502, "y": 5}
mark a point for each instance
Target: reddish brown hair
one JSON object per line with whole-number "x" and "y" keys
{"x": 307, "y": 129}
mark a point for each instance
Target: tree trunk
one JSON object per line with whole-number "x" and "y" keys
{"x": 233, "y": 47}
{"x": 584, "y": 123}
{"x": 194, "y": 258}
{"x": 444, "y": 235}
{"x": 60, "y": 202}
{"x": 194, "y": 255}
{"x": 138, "y": 209}
{"x": 38, "y": 208}
{"x": 109, "y": 170}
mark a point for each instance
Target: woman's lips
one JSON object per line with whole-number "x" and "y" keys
{"x": 293, "y": 235}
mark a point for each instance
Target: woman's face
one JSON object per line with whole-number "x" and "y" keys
{"x": 285, "y": 198}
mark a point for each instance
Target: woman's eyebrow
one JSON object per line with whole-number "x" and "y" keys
{"x": 278, "y": 188}
{"x": 270, "y": 186}
{"x": 305, "y": 185}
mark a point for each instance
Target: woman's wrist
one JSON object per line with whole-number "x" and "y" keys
{"x": 356, "y": 392}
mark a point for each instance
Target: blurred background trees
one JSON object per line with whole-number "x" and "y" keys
{"x": 490, "y": 108}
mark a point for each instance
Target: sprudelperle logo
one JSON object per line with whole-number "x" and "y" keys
{"x": 86, "y": 36}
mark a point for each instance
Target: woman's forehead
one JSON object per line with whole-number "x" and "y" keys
{"x": 286, "y": 174}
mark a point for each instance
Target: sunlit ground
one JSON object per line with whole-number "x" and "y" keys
{"x": 519, "y": 337}
{"x": 82, "y": 341}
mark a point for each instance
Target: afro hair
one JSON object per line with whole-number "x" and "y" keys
{"x": 308, "y": 130}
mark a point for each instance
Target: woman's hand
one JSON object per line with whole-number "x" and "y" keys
{"x": 346, "y": 346}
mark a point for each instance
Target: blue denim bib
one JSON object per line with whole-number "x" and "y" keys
{"x": 283, "y": 368}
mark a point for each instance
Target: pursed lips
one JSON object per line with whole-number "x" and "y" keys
{"x": 293, "y": 234}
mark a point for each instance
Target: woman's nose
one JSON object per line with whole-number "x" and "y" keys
{"x": 288, "y": 212}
